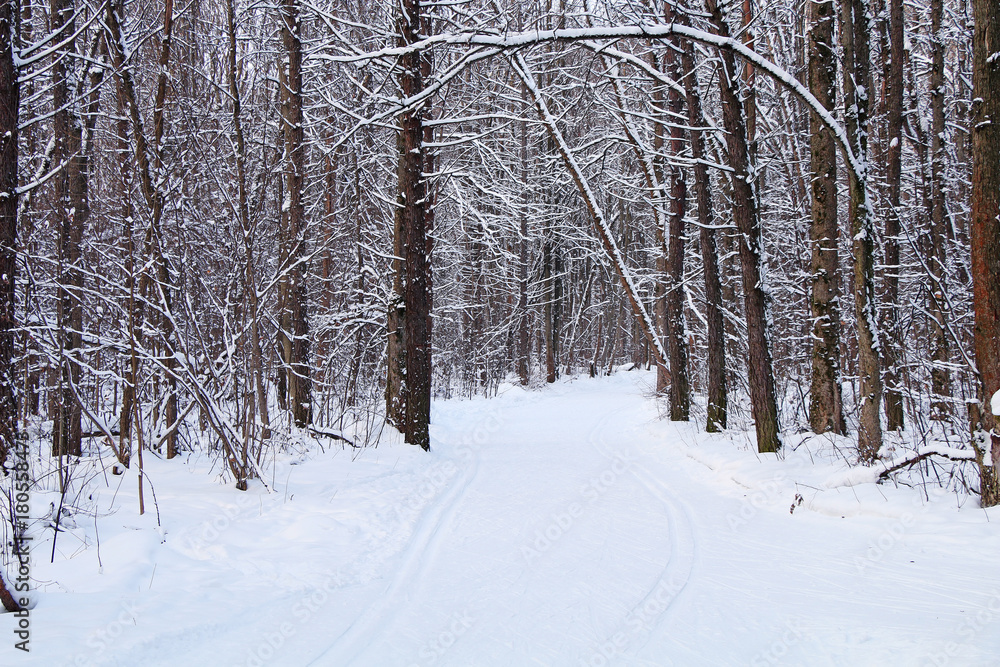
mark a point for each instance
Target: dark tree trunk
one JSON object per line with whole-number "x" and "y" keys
{"x": 894, "y": 125}
{"x": 716, "y": 334}
{"x": 745, "y": 214}
{"x": 680, "y": 385}
{"x": 413, "y": 243}
{"x": 71, "y": 214}
{"x": 936, "y": 254}
{"x": 299, "y": 376}
{"x": 124, "y": 452}
{"x": 9, "y": 102}
{"x": 825, "y": 407}
{"x": 857, "y": 84}
{"x": 523, "y": 345}
{"x": 256, "y": 389}
{"x": 986, "y": 227}
{"x": 548, "y": 312}
{"x": 656, "y": 184}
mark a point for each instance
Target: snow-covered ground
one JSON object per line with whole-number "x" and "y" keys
{"x": 564, "y": 526}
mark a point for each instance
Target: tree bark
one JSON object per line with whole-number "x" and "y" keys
{"x": 413, "y": 242}
{"x": 549, "y": 310}
{"x": 523, "y": 346}
{"x": 680, "y": 384}
{"x": 9, "y": 104}
{"x": 936, "y": 255}
{"x": 825, "y": 402}
{"x": 746, "y": 216}
{"x": 894, "y": 124}
{"x": 716, "y": 333}
{"x": 299, "y": 377}
{"x": 857, "y": 87}
{"x": 71, "y": 213}
{"x": 986, "y": 228}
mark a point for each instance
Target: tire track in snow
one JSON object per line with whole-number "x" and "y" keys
{"x": 417, "y": 558}
{"x": 647, "y": 614}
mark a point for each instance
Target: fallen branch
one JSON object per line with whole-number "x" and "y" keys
{"x": 949, "y": 453}
{"x": 333, "y": 435}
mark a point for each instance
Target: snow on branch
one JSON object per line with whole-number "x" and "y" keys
{"x": 600, "y": 221}
{"x": 518, "y": 40}
{"x": 882, "y": 469}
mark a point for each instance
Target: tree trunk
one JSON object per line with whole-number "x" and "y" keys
{"x": 680, "y": 385}
{"x": 9, "y": 103}
{"x": 745, "y": 214}
{"x": 124, "y": 452}
{"x": 857, "y": 84}
{"x": 937, "y": 250}
{"x": 71, "y": 213}
{"x": 825, "y": 407}
{"x": 413, "y": 242}
{"x": 986, "y": 228}
{"x": 523, "y": 346}
{"x": 298, "y": 372}
{"x": 894, "y": 123}
{"x": 716, "y": 334}
{"x": 256, "y": 371}
{"x": 551, "y": 312}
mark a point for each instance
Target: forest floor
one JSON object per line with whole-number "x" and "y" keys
{"x": 563, "y": 526}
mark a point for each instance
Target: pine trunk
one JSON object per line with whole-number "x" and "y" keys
{"x": 523, "y": 344}
{"x": 894, "y": 121}
{"x": 413, "y": 240}
{"x": 986, "y": 227}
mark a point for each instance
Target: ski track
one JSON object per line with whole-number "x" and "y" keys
{"x": 683, "y": 555}
{"x": 417, "y": 558}
{"x": 675, "y": 554}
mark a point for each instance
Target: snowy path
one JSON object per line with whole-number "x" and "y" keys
{"x": 567, "y": 526}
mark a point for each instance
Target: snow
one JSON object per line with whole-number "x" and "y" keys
{"x": 995, "y": 403}
{"x": 562, "y": 526}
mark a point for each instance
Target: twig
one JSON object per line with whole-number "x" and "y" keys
{"x": 953, "y": 455}
{"x": 333, "y": 435}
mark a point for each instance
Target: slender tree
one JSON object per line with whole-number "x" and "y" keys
{"x": 893, "y": 223}
{"x": 716, "y": 334}
{"x": 680, "y": 385}
{"x": 936, "y": 252}
{"x": 9, "y": 106}
{"x": 295, "y": 316}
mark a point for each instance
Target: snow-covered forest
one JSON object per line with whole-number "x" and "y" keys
{"x": 598, "y": 332}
